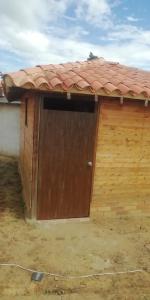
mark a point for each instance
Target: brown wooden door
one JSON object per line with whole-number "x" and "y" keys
{"x": 65, "y": 156}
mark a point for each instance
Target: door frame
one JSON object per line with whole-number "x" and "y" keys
{"x": 97, "y": 106}
{"x": 40, "y": 107}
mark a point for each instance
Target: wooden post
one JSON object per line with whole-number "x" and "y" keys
{"x": 96, "y": 98}
{"x": 121, "y": 100}
{"x": 146, "y": 103}
{"x": 68, "y": 96}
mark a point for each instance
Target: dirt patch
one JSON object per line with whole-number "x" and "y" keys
{"x": 101, "y": 245}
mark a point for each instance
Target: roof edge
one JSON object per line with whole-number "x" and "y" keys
{"x": 15, "y": 93}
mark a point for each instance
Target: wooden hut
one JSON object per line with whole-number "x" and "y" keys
{"x": 85, "y": 138}
{"x": 1, "y": 90}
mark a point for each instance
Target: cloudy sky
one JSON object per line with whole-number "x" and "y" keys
{"x": 52, "y": 31}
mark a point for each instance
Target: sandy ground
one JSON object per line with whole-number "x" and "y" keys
{"x": 100, "y": 245}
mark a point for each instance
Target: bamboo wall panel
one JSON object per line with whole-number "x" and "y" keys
{"x": 122, "y": 171}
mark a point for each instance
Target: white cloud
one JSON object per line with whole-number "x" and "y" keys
{"x": 35, "y": 31}
{"x": 31, "y": 29}
{"x": 31, "y": 13}
{"x": 94, "y": 8}
{"x": 95, "y": 11}
{"x": 132, "y": 19}
{"x": 130, "y": 33}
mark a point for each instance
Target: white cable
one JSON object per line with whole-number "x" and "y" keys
{"x": 72, "y": 277}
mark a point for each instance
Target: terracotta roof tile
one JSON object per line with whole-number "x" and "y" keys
{"x": 115, "y": 81}
{"x": 77, "y": 78}
{"x": 96, "y": 76}
{"x": 96, "y": 85}
{"x": 68, "y": 82}
{"x": 55, "y": 82}
{"x": 40, "y": 81}
{"x": 109, "y": 87}
{"x": 146, "y": 91}
{"x": 83, "y": 84}
{"x": 137, "y": 89}
{"x": 123, "y": 88}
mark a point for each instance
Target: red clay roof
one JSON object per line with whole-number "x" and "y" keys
{"x": 97, "y": 76}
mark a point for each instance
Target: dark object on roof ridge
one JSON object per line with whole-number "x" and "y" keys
{"x": 92, "y": 56}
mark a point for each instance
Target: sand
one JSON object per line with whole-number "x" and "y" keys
{"x": 71, "y": 248}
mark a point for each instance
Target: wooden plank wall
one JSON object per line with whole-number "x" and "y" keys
{"x": 122, "y": 171}
{"x": 26, "y": 148}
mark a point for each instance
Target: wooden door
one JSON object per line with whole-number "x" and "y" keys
{"x": 67, "y": 137}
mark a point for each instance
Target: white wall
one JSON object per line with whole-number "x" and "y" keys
{"x": 9, "y": 129}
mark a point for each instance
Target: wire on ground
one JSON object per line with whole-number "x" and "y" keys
{"x": 71, "y": 276}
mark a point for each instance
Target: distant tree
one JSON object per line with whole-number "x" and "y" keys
{"x": 92, "y": 56}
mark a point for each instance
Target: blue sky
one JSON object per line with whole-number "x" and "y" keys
{"x": 55, "y": 31}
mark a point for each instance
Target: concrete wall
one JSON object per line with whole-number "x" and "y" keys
{"x": 9, "y": 128}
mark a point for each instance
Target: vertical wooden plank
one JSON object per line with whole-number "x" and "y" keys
{"x": 26, "y": 155}
{"x": 122, "y": 171}
{"x": 66, "y": 145}
{"x": 95, "y": 145}
{"x": 35, "y": 163}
